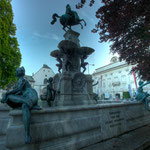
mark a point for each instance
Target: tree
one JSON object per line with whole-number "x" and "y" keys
{"x": 126, "y": 95}
{"x": 126, "y": 23}
{"x": 10, "y": 56}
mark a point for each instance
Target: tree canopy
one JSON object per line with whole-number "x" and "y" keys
{"x": 10, "y": 56}
{"x": 126, "y": 24}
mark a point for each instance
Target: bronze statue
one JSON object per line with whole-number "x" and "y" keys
{"x": 50, "y": 95}
{"x": 60, "y": 64}
{"x": 141, "y": 95}
{"x": 23, "y": 95}
{"x": 67, "y": 60}
{"x": 83, "y": 64}
{"x": 69, "y": 19}
{"x": 95, "y": 96}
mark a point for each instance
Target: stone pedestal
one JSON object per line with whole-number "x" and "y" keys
{"x": 4, "y": 119}
{"x": 73, "y": 128}
{"x": 72, "y": 36}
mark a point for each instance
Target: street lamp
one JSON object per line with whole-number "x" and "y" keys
{"x": 89, "y": 67}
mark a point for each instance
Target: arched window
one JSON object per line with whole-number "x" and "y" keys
{"x": 45, "y": 81}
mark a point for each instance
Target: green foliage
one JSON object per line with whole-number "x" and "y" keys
{"x": 126, "y": 24}
{"x": 102, "y": 96}
{"x": 10, "y": 56}
{"x": 126, "y": 95}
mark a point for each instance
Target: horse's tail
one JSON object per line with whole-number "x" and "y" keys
{"x": 54, "y": 18}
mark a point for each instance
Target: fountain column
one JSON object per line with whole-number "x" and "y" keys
{"x": 75, "y": 88}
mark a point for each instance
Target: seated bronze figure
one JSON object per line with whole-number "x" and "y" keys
{"x": 22, "y": 95}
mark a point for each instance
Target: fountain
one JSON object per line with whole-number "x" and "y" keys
{"x": 72, "y": 86}
{"x": 79, "y": 122}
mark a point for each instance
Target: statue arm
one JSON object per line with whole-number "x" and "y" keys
{"x": 146, "y": 83}
{"x": 17, "y": 89}
{"x": 95, "y": 83}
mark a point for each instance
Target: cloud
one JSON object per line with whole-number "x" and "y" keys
{"x": 46, "y": 36}
{"x": 84, "y": 14}
{"x": 88, "y": 18}
{"x": 55, "y": 37}
{"x": 41, "y": 36}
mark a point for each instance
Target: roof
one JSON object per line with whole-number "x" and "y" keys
{"x": 29, "y": 78}
{"x": 111, "y": 66}
{"x": 45, "y": 66}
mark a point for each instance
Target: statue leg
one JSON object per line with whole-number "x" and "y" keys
{"x": 64, "y": 28}
{"x": 83, "y": 21}
{"x": 69, "y": 27}
{"x": 18, "y": 99}
{"x": 81, "y": 25}
{"x": 146, "y": 104}
{"x": 59, "y": 69}
{"x": 84, "y": 69}
{"x": 26, "y": 120}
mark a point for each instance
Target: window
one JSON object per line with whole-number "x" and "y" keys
{"x": 109, "y": 81}
{"x": 45, "y": 81}
{"x": 123, "y": 78}
{"x": 116, "y": 79}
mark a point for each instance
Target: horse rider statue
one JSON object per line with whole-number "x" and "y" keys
{"x": 68, "y": 19}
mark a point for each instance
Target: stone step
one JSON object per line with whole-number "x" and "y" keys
{"x": 138, "y": 139}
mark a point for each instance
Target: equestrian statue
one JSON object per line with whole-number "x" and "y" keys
{"x": 68, "y": 19}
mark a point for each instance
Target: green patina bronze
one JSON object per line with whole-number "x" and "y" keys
{"x": 50, "y": 94}
{"x": 69, "y": 19}
{"x": 141, "y": 95}
{"x": 22, "y": 95}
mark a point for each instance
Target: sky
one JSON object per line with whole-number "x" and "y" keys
{"x": 37, "y": 38}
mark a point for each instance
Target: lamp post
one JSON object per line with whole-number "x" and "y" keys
{"x": 89, "y": 67}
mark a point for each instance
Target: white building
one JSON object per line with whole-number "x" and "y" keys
{"x": 41, "y": 77}
{"x": 114, "y": 79}
{"x": 30, "y": 80}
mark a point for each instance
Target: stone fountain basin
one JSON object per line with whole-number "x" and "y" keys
{"x": 56, "y": 53}
{"x": 85, "y": 50}
{"x": 72, "y": 128}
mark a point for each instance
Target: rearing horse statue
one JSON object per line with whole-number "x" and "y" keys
{"x": 69, "y": 19}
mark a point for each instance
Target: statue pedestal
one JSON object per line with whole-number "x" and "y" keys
{"x": 72, "y": 36}
{"x": 4, "y": 119}
{"x": 75, "y": 89}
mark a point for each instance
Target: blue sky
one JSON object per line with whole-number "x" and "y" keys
{"x": 37, "y": 37}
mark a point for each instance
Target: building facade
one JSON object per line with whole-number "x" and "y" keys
{"x": 41, "y": 77}
{"x": 114, "y": 79}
